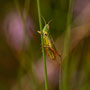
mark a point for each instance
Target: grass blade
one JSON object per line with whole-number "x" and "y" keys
{"x": 42, "y": 42}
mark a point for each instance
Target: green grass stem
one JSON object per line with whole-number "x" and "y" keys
{"x": 64, "y": 84}
{"x": 42, "y": 42}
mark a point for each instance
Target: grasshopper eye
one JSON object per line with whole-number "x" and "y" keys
{"x": 45, "y": 34}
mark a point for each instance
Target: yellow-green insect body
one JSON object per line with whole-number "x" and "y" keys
{"x": 48, "y": 43}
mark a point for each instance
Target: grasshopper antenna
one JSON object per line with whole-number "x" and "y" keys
{"x": 50, "y": 21}
{"x": 43, "y": 20}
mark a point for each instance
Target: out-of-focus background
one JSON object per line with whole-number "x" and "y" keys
{"x": 21, "y": 64}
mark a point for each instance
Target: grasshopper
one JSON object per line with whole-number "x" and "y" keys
{"x": 48, "y": 42}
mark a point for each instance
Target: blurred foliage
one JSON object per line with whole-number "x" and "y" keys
{"x": 15, "y": 64}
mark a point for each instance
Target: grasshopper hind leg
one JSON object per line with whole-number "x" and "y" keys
{"x": 46, "y": 51}
{"x": 51, "y": 54}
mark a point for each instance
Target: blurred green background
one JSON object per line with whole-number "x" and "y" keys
{"x": 21, "y": 66}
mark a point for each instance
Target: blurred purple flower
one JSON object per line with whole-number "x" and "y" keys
{"x": 14, "y": 31}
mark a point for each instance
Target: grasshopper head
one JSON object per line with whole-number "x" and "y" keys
{"x": 45, "y": 30}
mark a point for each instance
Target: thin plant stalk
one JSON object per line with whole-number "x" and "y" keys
{"x": 26, "y": 7}
{"x": 42, "y": 42}
{"x": 66, "y": 49}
